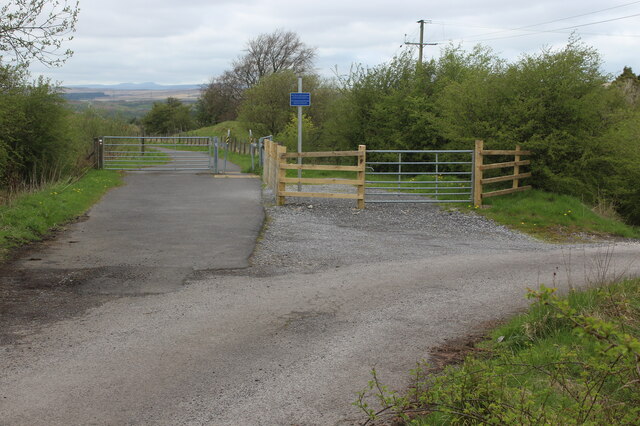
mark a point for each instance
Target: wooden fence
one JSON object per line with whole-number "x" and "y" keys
{"x": 276, "y": 165}
{"x": 480, "y": 167}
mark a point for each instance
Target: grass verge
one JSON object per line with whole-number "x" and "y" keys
{"x": 32, "y": 215}
{"x": 553, "y": 217}
{"x": 570, "y": 360}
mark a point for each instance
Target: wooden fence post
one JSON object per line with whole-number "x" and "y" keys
{"x": 362, "y": 161}
{"x": 281, "y": 186}
{"x": 269, "y": 152}
{"x": 268, "y": 162}
{"x": 265, "y": 162}
{"x": 274, "y": 166}
{"x": 477, "y": 174}
{"x": 516, "y": 168}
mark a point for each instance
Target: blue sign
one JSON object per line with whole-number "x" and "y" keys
{"x": 300, "y": 99}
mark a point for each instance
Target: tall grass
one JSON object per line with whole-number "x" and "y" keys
{"x": 31, "y": 215}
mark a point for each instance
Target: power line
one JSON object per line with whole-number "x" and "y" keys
{"x": 556, "y": 20}
{"x": 554, "y": 30}
{"x": 530, "y": 32}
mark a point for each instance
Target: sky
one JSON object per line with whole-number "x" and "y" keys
{"x": 192, "y": 41}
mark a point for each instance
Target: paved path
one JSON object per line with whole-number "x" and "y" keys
{"x": 151, "y": 234}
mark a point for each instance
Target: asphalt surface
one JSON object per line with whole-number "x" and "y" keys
{"x": 253, "y": 346}
{"x": 151, "y": 234}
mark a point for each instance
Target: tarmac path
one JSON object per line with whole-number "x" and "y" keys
{"x": 207, "y": 345}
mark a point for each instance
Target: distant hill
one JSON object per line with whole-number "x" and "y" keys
{"x": 135, "y": 86}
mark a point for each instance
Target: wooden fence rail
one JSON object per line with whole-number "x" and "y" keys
{"x": 275, "y": 168}
{"x": 480, "y": 167}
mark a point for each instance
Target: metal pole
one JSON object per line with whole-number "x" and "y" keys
{"x": 216, "y": 142}
{"x": 226, "y": 154}
{"x": 299, "y": 136}
{"x": 399, "y": 171}
{"x": 437, "y": 171}
{"x": 209, "y": 142}
{"x": 101, "y": 153}
{"x": 421, "y": 47}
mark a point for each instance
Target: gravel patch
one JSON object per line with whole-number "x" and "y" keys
{"x": 312, "y": 234}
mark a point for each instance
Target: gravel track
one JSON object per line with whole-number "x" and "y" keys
{"x": 314, "y": 234}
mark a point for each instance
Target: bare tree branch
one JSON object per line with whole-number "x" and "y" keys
{"x": 270, "y": 53}
{"x": 35, "y": 30}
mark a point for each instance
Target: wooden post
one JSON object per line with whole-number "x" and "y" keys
{"x": 477, "y": 174}
{"x": 516, "y": 168}
{"x": 362, "y": 161}
{"x": 271, "y": 166}
{"x": 282, "y": 173}
{"x": 274, "y": 166}
{"x": 265, "y": 162}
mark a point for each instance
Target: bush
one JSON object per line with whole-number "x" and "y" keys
{"x": 41, "y": 140}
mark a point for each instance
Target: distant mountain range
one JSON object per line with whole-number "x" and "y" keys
{"x": 135, "y": 86}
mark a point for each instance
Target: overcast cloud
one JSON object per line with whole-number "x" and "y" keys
{"x": 190, "y": 41}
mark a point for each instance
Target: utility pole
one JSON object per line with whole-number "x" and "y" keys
{"x": 422, "y": 44}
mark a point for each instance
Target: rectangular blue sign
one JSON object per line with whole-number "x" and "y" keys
{"x": 300, "y": 99}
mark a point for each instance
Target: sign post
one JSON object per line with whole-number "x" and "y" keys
{"x": 300, "y": 99}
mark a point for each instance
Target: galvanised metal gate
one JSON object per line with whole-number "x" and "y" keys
{"x": 416, "y": 176}
{"x": 156, "y": 153}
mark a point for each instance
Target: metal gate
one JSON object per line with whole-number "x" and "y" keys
{"x": 412, "y": 176}
{"x": 156, "y": 153}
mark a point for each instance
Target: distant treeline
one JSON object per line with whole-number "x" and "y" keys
{"x": 83, "y": 96}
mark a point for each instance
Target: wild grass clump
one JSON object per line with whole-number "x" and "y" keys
{"x": 570, "y": 360}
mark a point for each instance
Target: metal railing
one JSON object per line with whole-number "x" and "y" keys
{"x": 419, "y": 176}
{"x": 156, "y": 153}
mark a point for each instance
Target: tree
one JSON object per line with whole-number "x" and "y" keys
{"x": 271, "y": 53}
{"x": 265, "y": 107}
{"x": 629, "y": 84}
{"x": 265, "y": 55}
{"x": 35, "y": 30}
{"x": 219, "y": 100}
{"x": 169, "y": 117}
